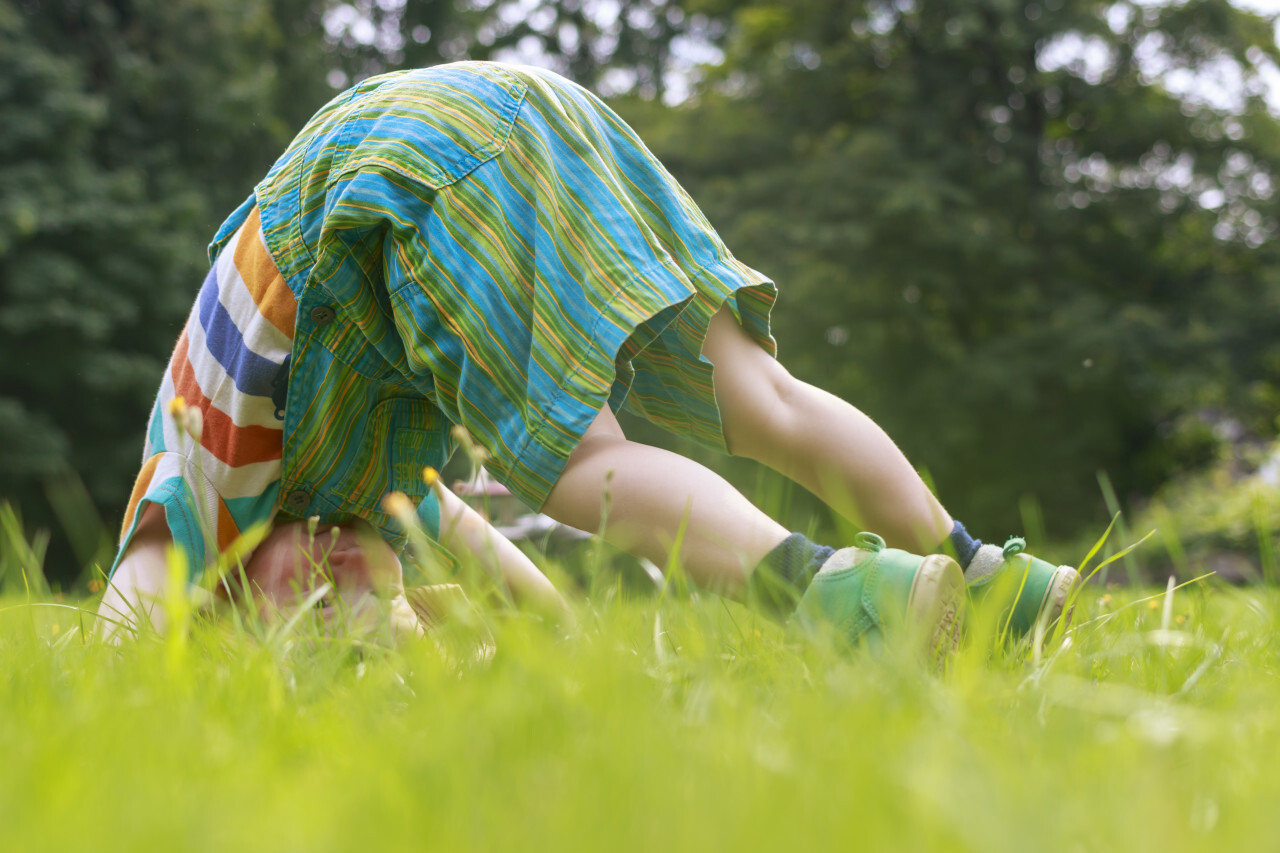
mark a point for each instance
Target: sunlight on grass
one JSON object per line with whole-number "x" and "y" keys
{"x": 667, "y": 719}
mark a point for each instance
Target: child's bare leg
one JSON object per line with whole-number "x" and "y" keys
{"x": 820, "y": 441}
{"x": 137, "y": 587}
{"x": 653, "y": 492}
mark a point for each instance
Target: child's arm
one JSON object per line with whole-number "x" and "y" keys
{"x": 136, "y": 590}
{"x": 464, "y": 529}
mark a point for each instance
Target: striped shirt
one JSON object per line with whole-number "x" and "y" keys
{"x": 226, "y": 361}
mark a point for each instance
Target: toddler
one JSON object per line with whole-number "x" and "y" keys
{"x": 489, "y": 246}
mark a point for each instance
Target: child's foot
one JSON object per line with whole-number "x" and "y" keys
{"x": 869, "y": 590}
{"x": 1039, "y": 590}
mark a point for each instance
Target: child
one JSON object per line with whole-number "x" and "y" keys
{"x": 490, "y": 246}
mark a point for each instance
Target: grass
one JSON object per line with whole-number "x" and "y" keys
{"x": 663, "y": 722}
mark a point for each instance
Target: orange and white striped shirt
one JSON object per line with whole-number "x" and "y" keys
{"x": 228, "y": 364}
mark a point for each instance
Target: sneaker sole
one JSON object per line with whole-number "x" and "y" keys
{"x": 937, "y": 600}
{"x": 1055, "y": 597}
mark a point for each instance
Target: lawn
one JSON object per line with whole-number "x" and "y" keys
{"x": 664, "y": 721}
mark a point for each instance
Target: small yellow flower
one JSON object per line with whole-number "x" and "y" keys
{"x": 177, "y": 408}
{"x": 430, "y": 476}
{"x": 1105, "y": 600}
{"x": 398, "y": 505}
{"x": 95, "y": 585}
{"x": 1154, "y": 604}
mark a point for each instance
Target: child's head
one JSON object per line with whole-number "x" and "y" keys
{"x": 359, "y": 566}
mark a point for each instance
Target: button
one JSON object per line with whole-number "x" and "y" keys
{"x": 322, "y": 315}
{"x": 297, "y": 501}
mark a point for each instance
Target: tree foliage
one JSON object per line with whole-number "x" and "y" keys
{"x": 622, "y": 46}
{"x": 131, "y": 128}
{"x": 1000, "y": 230}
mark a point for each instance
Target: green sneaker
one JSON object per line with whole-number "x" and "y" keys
{"x": 869, "y": 590}
{"x": 1038, "y": 590}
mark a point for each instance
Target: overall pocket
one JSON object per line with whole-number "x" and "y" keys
{"x": 401, "y": 435}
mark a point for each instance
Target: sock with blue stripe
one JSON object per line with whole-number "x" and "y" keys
{"x": 782, "y": 576}
{"x": 963, "y": 544}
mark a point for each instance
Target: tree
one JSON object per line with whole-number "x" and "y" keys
{"x": 628, "y": 46}
{"x": 1011, "y": 231}
{"x": 132, "y": 127}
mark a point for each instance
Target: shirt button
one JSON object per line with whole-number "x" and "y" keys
{"x": 322, "y": 315}
{"x": 297, "y": 501}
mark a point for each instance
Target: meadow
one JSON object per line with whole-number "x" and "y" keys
{"x": 665, "y": 719}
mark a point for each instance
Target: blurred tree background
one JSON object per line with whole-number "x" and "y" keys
{"x": 1033, "y": 238}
